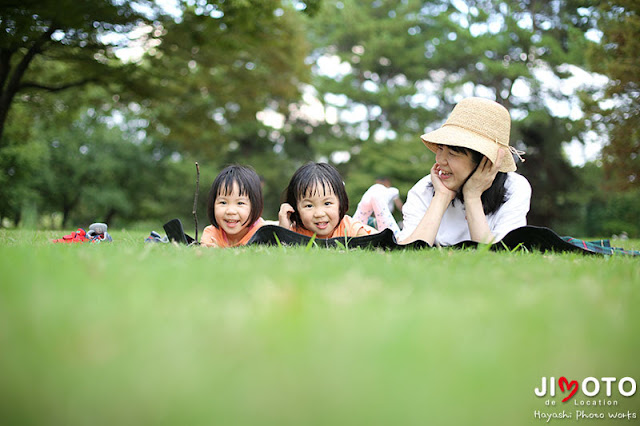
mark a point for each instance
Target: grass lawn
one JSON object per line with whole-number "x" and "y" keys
{"x": 128, "y": 333}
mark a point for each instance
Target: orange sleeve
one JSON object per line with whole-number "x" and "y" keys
{"x": 210, "y": 237}
{"x": 348, "y": 224}
{"x": 257, "y": 225}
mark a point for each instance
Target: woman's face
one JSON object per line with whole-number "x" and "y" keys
{"x": 453, "y": 167}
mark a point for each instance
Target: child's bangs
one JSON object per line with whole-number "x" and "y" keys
{"x": 317, "y": 187}
{"x": 226, "y": 187}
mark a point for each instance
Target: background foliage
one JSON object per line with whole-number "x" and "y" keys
{"x": 105, "y": 108}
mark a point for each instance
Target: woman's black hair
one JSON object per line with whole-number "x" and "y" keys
{"x": 248, "y": 183}
{"x": 310, "y": 179}
{"x": 493, "y": 197}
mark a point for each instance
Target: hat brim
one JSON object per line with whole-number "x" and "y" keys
{"x": 457, "y": 136}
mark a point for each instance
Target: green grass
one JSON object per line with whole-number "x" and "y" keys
{"x": 130, "y": 333}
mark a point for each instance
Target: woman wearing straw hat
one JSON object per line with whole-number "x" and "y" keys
{"x": 472, "y": 192}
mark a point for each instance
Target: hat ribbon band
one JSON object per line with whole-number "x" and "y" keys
{"x": 516, "y": 152}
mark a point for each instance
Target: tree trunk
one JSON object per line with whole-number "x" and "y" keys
{"x": 66, "y": 210}
{"x": 109, "y": 217}
{"x": 11, "y": 79}
{"x": 17, "y": 217}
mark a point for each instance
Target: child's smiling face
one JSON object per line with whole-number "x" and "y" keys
{"x": 232, "y": 211}
{"x": 319, "y": 211}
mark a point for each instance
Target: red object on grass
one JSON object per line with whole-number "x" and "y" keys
{"x": 75, "y": 237}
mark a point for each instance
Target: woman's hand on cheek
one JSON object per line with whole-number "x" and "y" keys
{"x": 438, "y": 186}
{"x": 483, "y": 177}
{"x": 284, "y": 215}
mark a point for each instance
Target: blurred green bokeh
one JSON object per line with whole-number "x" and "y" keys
{"x": 134, "y": 333}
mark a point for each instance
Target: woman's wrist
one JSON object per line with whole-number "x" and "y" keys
{"x": 470, "y": 196}
{"x": 439, "y": 204}
{"x": 476, "y": 219}
{"x": 444, "y": 195}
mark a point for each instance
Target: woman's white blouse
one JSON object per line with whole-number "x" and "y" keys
{"x": 453, "y": 227}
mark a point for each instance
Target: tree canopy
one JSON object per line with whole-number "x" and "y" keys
{"x": 616, "y": 56}
{"x": 407, "y": 63}
{"x": 52, "y": 46}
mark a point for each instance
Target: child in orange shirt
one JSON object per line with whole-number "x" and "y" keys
{"x": 316, "y": 204}
{"x": 234, "y": 208}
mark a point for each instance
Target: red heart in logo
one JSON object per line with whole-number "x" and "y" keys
{"x": 564, "y": 382}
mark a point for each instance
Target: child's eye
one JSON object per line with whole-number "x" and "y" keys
{"x": 307, "y": 206}
{"x": 327, "y": 203}
{"x": 222, "y": 202}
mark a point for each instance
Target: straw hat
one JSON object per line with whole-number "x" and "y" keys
{"x": 478, "y": 124}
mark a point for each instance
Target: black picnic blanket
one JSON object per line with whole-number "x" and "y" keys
{"x": 277, "y": 235}
{"x": 532, "y": 238}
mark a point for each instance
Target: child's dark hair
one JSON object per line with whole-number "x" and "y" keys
{"x": 248, "y": 183}
{"x": 493, "y": 197}
{"x": 312, "y": 178}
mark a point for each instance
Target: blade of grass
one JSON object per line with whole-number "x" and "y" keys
{"x": 311, "y": 243}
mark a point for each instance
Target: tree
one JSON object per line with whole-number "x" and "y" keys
{"x": 616, "y": 56}
{"x": 94, "y": 169}
{"x": 407, "y": 63}
{"x": 20, "y": 162}
{"x": 193, "y": 94}
{"x": 216, "y": 68}
{"x": 68, "y": 38}
{"x": 97, "y": 172}
{"x": 202, "y": 73}
{"x": 371, "y": 80}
